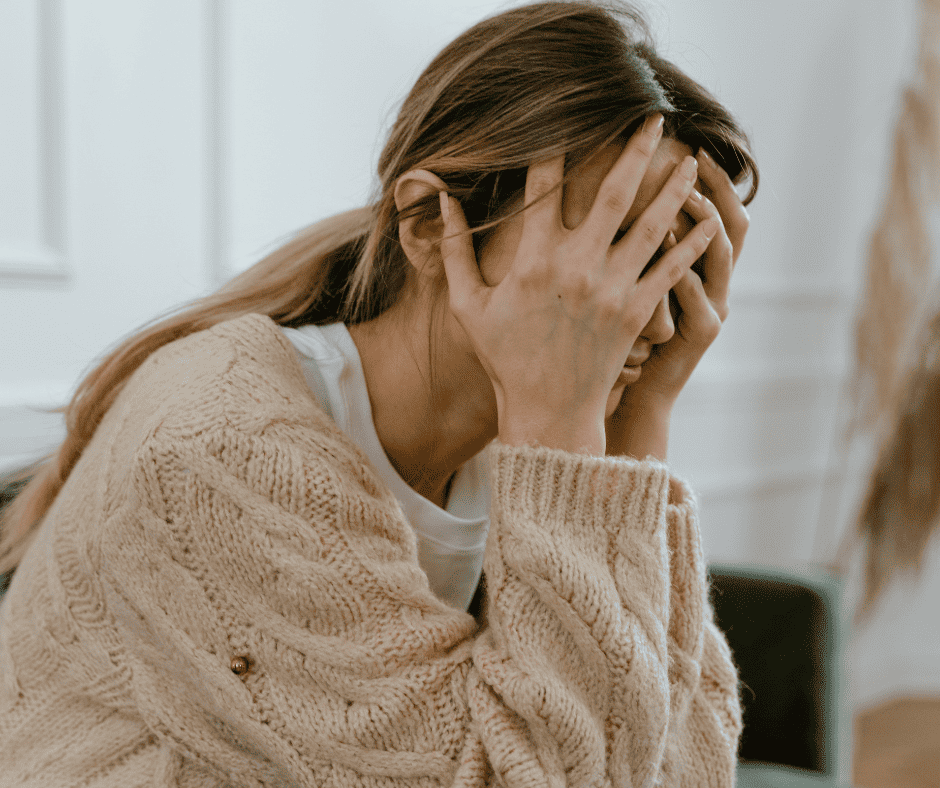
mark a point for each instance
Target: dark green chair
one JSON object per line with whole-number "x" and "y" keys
{"x": 787, "y": 630}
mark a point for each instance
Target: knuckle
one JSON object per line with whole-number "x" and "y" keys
{"x": 615, "y": 201}
{"x": 609, "y": 306}
{"x": 701, "y": 241}
{"x": 532, "y": 278}
{"x": 726, "y": 248}
{"x": 540, "y": 184}
{"x": 647, "y": 144}
{"x": 633, "y": 322}
{"x": 712, "y": 329}
{"x": 578, "y": 285}
{"x": 674, "y": 272}
{"x": 681, "y": 187}
{"x": 650, "y": 234}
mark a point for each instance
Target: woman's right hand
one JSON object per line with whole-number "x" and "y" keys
{"x": 554, "y": 334}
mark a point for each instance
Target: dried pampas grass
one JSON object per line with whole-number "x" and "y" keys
{"x": 896, "y": 380}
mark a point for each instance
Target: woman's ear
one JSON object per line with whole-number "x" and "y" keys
{"x": 419, "y": 236}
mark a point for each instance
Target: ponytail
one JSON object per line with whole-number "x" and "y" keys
{"x": 305, "y": 281}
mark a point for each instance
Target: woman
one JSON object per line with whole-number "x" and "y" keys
{"x": 257, "y": 557}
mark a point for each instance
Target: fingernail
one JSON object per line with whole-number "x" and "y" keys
{"x": 710, "y": 227}
{"x": 445, "y": 208}
{"x": 689, "y": 167}
{"x": 671, "y": 240}
{"x": 707, "y": 157}
{"x": 653, "y": 125}
{"x": 695, "y": 195}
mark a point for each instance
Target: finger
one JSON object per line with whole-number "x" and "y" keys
{"x": 733, "y": 212}
{"x": 718, "y": 261}
{"x": 464, "y": 281}
{"x": 543, "y": 206}
{"x": 646, "y": 234}
{"x": 673, "y": 265}
{"x": 619, "y": 187}
{"x": 699, "y": 320}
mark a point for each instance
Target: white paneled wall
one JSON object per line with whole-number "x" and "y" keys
{"x": 816, "y": 86}
{"x": 152, "y": 148}
{"x": 31, "y": 218}
{"x": 103, "y": 196}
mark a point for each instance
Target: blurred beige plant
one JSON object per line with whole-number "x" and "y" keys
{"x": 895, "y": 386}
{"x": 899, "y": 271}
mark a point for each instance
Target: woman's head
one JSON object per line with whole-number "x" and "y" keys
{"x": 523, "y": 86}
{"x": 496, "y": 253}
{"x": 572, "y": 78}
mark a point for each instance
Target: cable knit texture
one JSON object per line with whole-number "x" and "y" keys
{"x": 218, "y": 513}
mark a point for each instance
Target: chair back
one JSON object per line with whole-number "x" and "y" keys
{"x": 786, "y": 630}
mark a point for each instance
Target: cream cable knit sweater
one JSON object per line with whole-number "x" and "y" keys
{"x": 219, "y": 520}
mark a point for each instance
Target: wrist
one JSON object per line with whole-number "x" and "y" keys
{"x": 586, "y": 436}
{"x": 639, "y": 428}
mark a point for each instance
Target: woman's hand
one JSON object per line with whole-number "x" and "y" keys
{"x": 639, "y": 425}
{"x": 553, "y": 335}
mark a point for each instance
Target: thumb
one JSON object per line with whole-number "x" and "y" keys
{"x": 460, "y": 265}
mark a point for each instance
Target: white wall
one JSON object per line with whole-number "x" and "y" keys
{"x": 107, "y": 169}
{"x": 150, "y": 149}
{"x": 816, "y": 85}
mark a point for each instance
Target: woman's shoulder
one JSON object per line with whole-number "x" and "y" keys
{"x": 241, "y": 374}
{"x": 231, "y": 405}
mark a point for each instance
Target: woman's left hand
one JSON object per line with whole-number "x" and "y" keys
{"x": 700, "y": 307}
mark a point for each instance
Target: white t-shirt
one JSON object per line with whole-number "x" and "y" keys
{"x": 896, "y": 653}
{"x": 451, "y": 541}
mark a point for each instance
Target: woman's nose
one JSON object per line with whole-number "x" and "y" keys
{"x": 660, "y": 327}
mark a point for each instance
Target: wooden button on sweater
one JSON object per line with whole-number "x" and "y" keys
{"x": 239, "y": 665}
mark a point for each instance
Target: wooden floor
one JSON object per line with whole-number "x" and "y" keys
{"x": 897, "y": 745}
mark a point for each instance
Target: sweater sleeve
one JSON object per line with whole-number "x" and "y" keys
{"x": 276, "y": 627}
{"x": 704, "y": 698}
{"x": 601, "y": 630}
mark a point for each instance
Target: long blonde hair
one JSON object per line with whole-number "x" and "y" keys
{"x": 533, "y": 82}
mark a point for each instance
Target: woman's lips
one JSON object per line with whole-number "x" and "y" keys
{"x": 629, "y": 374}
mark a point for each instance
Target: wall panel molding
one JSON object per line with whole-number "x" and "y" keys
{"x": 218, "y": 265}
{"x": 40, "y": 259}
{"x": 790, "y": 385}
{"x": 749, "y": 482}
{"x": 788, "y": 293}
